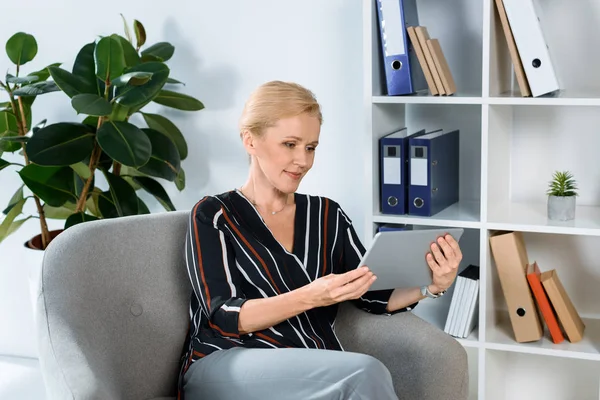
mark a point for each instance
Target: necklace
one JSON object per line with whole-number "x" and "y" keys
{"x": 257, "y": 206}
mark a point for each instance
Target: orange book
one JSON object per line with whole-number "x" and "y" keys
{"x": 533, "y": 277}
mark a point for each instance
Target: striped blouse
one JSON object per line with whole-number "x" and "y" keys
{"x": 232, "y": 256}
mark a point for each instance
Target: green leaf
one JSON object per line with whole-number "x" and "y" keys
{"x": 132, "y": 57}
{"x": 37, "y": 88}
{"x": 137, "y": 96}
{"x": 3, "y": 164}
{"x": 78, "y": 218}
{"x": 179, "y": 101}
{"x": 54, "y": 185}
{"x": 5, "y": 226}
{"x": 162, "y": 50}
{"x": 119, "y": 112}
{"x": 91, "y": 104}
{"x": 175, "y": 81}
{"x": 124, "y": 143}
{"x": 17, "y": 224}
{"x": 109, "y": 59}
{"x": 8, "y": 123}
{"x": 61, "y": 144}
{"x": 21, "y": 48}
{"x": 133, "y": 78}
{"x": 164, "y": 161}
{"x": 79, "y": 183}
{"x": 84, "y": 67}
{"x": 180, "y": 180}
{"x": 14, "y": 139}
{"x": 143, "y": 208}
{"x": 17, "y": 197}
{"x": 69, "y": 83}
{"x": 38, "y": 126}
{"x": 81, "y": 169}
{"x": 92, "y": 202}
{"x": 165, "y": 126}
{"x": 62, "y": 212}
{"x": 22, "y": 79}
{"x": 123, "y": 195}
{"x": 155, "y": 189}
{"x": 8, "y": 127}
{"x": 126, "y": 28}
{"x": 140, "y": 33}
{"x": 43, "y": 74}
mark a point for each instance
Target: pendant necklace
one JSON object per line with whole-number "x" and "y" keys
{"x": 256, "y": 205}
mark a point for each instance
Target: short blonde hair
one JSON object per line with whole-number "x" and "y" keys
{"x": 276, "y": 100}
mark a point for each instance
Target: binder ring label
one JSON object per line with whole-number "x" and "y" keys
{"x": 392, "y": 201}
{"x": 396, "y": 64}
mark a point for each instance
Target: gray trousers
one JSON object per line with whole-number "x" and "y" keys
{"x": 288, "y": 374}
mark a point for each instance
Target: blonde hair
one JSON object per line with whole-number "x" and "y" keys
{"x": 275, "y": 100}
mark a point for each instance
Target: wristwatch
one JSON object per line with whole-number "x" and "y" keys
{"x": 425, "y": 292}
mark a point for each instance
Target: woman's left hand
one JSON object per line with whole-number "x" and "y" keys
{"x": 444, "y": 259}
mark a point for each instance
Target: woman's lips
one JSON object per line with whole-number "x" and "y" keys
{"x": 293, "y": 175}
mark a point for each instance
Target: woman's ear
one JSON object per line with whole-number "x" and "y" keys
{"x": 249, "y": 142}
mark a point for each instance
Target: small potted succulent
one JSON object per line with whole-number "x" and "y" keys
{"x": 562, "y": 194}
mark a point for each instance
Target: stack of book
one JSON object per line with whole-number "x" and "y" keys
{"x": 464, "y": 306}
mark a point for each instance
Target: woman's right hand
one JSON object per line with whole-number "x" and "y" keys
{"x": 335, "y": 288}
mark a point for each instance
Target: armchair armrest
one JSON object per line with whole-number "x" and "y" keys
{"x": 425, "y": 362}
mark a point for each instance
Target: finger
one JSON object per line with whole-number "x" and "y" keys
{"x": 448, "y": 251}
{"x": 353, "y": 275}
{"x": 432, "y": 263}
{"x": 352, "y": 286}
{"x": 362, "y": 289}
{"x": 437, "y": 254}
{"x": 454, "y": 244}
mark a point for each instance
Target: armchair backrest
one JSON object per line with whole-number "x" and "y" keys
{"x": 113, "y": 308}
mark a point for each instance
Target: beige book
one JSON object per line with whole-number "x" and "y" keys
{"x": 512, "y": 48}
{"x": 422, "y": 61}
{"x": 564, "y": 308}
{"x": 442, "y": 66}
{"x": 423, "y": 36}
{"x": 510, "y": 255}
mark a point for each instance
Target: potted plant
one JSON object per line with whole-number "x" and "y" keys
{"x": 112, "y": 78}
{"x": 59, "y": 163}
{"x": 562, "y": 194}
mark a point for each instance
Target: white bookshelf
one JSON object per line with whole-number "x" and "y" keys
{"x": 509, "y": 148}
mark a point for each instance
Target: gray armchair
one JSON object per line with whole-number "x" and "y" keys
{"x": 113, "y": 314}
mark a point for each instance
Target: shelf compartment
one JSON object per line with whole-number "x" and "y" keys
{"x": 514, "y": 376}
{"x": 458, "y": 25}
{"x": 574, "y": 64}
{"x": 389, "y": 117}
{"x": 435, "y": 311}
{"x": 426, "y": 98}
{"x": 574, "y": 259}
{"x": 500, "y": 337}
{"x": 527, "y": 144}
{"x": 464, "y": 214}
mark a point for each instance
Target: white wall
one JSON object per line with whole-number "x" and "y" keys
{"x": 224, "y": 49}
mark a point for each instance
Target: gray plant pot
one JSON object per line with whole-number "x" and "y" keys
{"x": 561, "y": 208}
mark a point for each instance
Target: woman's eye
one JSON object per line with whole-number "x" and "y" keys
{"x": 311, "y": 148}
{"x": 290, "y": 145}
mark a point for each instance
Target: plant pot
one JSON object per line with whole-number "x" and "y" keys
{"x": 561, "y": 208}
{"x": 34, "y": 256}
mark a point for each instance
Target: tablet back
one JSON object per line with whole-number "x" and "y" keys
{"x": 397, "y": 258}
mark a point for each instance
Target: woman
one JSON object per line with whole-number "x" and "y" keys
{"x": 269, "y": 266}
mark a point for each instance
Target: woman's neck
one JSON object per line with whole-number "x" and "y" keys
{"x": 264, "y": 196}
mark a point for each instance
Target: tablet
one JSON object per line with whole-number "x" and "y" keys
{"x": 397, "y": 258}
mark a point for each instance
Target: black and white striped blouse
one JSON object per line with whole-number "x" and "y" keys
{"x": 232, "y": 256}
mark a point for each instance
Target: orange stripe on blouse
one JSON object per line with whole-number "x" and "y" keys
{"x": 252, "y": 250}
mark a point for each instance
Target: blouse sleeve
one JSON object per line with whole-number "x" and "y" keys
{"x": 211, "y": 264}
{"x": 375, "y": 301}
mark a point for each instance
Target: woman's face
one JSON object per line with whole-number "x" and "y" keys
{"x": 286, "y": 151}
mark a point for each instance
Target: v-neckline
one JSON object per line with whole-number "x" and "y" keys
{"x": 296, "y": 242}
